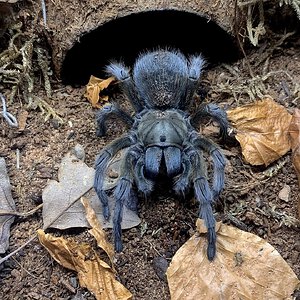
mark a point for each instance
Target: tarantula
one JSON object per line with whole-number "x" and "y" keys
{"x": 162, "y": 136}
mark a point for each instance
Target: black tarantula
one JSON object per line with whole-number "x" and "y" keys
{"x": 162, "y": 136}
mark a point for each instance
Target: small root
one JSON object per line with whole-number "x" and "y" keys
{"x": 46, "y": 109}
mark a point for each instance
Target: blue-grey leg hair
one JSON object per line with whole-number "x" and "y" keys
{"x": 101, "y": 164}
{"x": 218, "y": 163}
{"x": 204, "y": 195}
{"x": 216, "y": 113}
{"x": 195, "y": 67}
{"x": 123, "y": 194}
{"x": 108, "y": 111}
{"x": 122, "y": 73}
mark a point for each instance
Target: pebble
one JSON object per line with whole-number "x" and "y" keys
{"x": 79, "y": 152}
{"x": 160, "y": 266}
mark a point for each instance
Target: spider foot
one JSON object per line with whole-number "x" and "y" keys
{"x": 106, "y": 212}
{"x": 181, "y": 186}
{"x": 211, "y": 247}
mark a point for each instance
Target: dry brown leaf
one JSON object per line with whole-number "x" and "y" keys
{"x": 97, "y": 232}
{"x": 262, "y": 130}
{"x": 245, "y": 267}
{"x": 94, "y": 88}
{"x": 93, "y": 273}
{"x": 295, "y": 141}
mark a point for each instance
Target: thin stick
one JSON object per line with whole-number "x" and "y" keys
{"x": 18, "y": 158}
{"x": 4, "y": 212}
{"x": 2, "y": 260}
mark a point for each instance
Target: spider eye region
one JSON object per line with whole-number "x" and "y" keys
{"x": 162, "y": 138}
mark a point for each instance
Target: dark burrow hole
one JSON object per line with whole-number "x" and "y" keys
{"x": 124, "y": 38}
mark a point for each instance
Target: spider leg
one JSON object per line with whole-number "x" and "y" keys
{"x": 123, "y": 194}
{"x": 101, "y": 164}
{"x": 194, "y": 72}
{"x": 108, "y": 111}
{"x": 204, "y": 195}
{"x": 218, "y": 163}
{"x": 121, "y": 72}
{"x": 216, "y": 113}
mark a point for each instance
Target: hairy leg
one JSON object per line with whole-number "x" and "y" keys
{"x": 216, "y": 113}
{"x": 107, "y": 112}
{"x": 123, "y": 194}
{"x": 121, "y": 72}
{"x": 195, "y": 68}
{"x": 218, "y": 162}
{"x": 101, "y": 164}
{"x": 204, "y": 195}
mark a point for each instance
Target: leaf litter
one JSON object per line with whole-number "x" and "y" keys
{"x": 93, "y": 273}
{"x": 246, "y": 267}
{"x": 266, "y": 131}
{"x": 94, "y": 91}
{"x": 295, "y": 141}
{"x": 262, "y": 131}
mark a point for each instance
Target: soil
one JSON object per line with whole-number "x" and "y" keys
{"x": 32, "y": 274}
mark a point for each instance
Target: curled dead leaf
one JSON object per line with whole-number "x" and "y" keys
{"x": 94, "y": 88}
{"x": 246, "y": 267}
{"x": 97, "y": 232}
{"x": 93, "y": 273}
{"x": 294, "y": 131}
{"x": 262, "y": 130}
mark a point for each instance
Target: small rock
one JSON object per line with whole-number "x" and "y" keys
{"x": 112, "y": 174}
{"x": 160, "y": 266}
{"x": 73, "y": 282}
{"x": 45, "y": 173}
{"x": 284, "y": 193}
{"x": 79, "y": 152}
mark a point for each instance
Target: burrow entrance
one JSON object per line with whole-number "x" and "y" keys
{"x": 124, "y": 38}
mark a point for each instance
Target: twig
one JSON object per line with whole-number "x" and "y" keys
{"x": 2, "y": 260}
{"x": 24, "y": 269}
{"x": 44, "y": 12}
{"x": 18, "y": 158}
{"x": 20, "y": 214}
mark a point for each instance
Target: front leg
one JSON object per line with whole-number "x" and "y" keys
{"x": 218, "y": 162}
{"x": 108, "y": 111}
{"x": 204, "y": 195}
{"x": 101, "y": 164}
{"x": 216, "y": 113}
{"x": 124, "y": 193}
